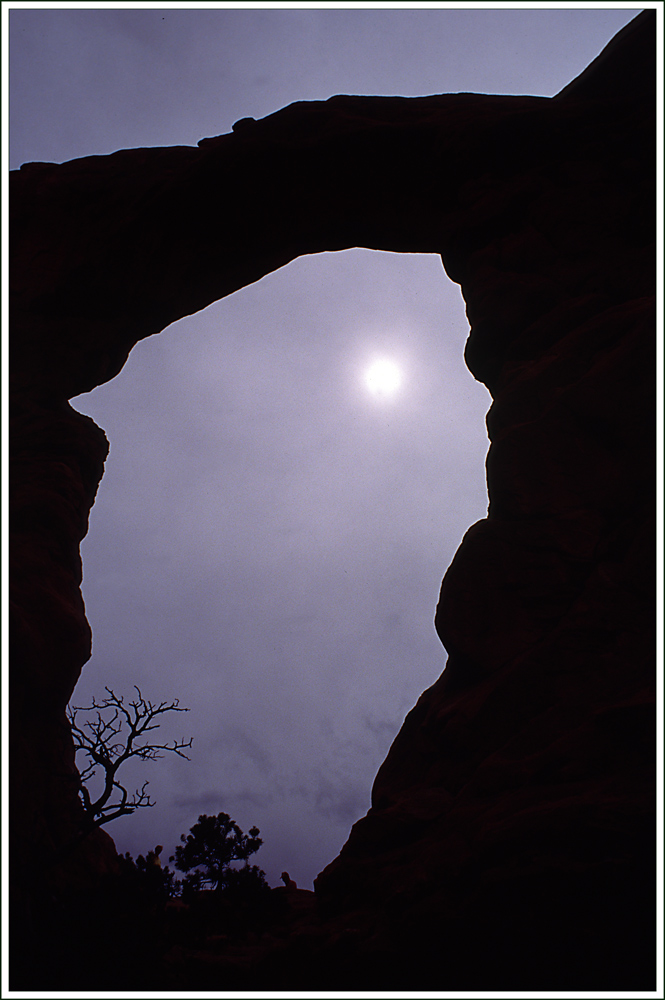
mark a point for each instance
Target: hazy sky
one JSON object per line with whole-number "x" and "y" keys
{"x": 269, "y": 537}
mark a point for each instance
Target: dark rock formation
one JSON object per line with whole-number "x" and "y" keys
{"x": 510, "y": 840}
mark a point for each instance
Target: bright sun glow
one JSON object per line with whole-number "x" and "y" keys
{"x": 383, "y": 378}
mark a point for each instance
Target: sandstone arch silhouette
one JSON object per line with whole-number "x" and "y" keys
{"x": 515, "y": 807}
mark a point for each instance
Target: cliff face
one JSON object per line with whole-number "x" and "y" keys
{"x": 511, "y": 825}
{"x": 516, "y": 804}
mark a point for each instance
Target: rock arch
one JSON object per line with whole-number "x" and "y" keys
{"x": 513, "y": 813}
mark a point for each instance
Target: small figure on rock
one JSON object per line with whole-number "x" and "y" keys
{"x": 289, "y": 884}
{"x": 153, "y": 856}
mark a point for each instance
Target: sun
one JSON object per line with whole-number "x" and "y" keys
{"x": 383, "y": 378}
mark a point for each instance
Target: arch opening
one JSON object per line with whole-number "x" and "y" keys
{"x": 267, "y": 543}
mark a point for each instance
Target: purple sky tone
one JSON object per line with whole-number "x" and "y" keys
{"x": 269, "y": 539}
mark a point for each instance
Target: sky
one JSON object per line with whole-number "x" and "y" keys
{"x": 273, "y": 525}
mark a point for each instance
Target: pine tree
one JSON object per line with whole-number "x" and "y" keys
{"x": 209, "y": 850}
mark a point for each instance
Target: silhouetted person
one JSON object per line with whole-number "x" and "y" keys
{"x": 153, "y": 856}
{"x": 289, "y": 884}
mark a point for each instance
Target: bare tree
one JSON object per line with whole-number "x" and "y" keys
{"x": 109, "y": 739}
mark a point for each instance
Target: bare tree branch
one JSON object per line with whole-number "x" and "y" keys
{"x": 100, "y": 739}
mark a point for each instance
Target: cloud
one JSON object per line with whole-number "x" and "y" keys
{"x": 232, "y": 742}
{"x": 344, "y": 805}
{"x": 214, "y": 802}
